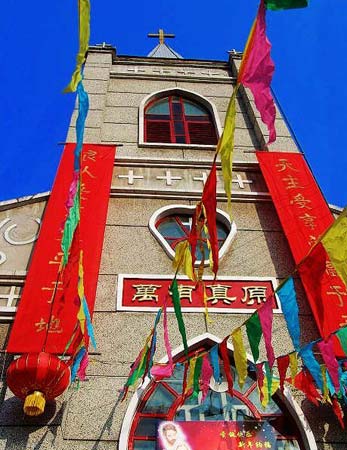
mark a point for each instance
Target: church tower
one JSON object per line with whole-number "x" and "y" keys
{"x": 165, "y": 115}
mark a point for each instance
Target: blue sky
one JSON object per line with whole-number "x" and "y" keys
{"x": 39, "y": 43}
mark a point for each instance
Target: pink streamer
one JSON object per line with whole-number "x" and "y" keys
{"x": 164, "y": 371}
{"x": 327, "y": 351}
{"x": 266, "y": 316}
{"x": 72, "y": 190}
{"x": 258, "y": 72}
{"x": 206, "y": 374}
{"x": 81, "y": 373}
{"x": 260, "y": 377}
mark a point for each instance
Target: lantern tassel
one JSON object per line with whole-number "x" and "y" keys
{"x": 34, "y": 404}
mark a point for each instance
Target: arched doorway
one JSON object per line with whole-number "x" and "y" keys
{"x": 158, "y": 402}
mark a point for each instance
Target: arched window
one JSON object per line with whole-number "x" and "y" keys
{"x": 278, "y": 423}
{"x": 178, "y": 120}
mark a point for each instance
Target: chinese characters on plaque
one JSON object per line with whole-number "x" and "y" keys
{"x": 225, "y": 294}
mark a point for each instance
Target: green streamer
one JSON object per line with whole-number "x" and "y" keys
{"x": 254, "y": 333}
{"x": 277, "y": 5}
{"x": 342, "y": 337}
{"x": 197, "y": 373}
{"x": 70, "y": 226}
{"x": 178, "y": 312}
{"x": 268, "y": 373}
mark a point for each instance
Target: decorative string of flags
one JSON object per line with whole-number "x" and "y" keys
{"x": 324, "y": 380}
{"x": 80, "y": 354}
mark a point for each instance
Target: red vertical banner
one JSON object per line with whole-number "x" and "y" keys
{"x": 300, "y": 205}
{"x": 305, "y": 216}
{"x": 47, "y": 313}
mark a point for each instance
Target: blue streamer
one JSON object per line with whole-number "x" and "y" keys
{"x": 213, "y": 355}
{"x": 83, "y": 107}
{"x": 90, "y": 329}
{"x": 77, "y": 363}
{"x": 312, "y": 364}
{"x": 343, "y": 383}
{"x": 290, "y": 310}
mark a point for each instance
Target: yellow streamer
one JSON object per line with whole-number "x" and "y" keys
{"x": 226, "y": 145}
{"x": 293, "y": 363}
{"x": 81, "y": 316}
{"x": 84, "y": 33}
{"x": 240, "y": 356}
{"x": 207, "y": 317}
{"x": 335, "y": 244}
{"x": 183, "y": 259}
{"x": 190, "y": 378}
{"x": 326, "y": 397}
{"x": 266, "y": 394}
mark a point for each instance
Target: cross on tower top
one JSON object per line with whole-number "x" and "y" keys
{"x": 161, "y": 35}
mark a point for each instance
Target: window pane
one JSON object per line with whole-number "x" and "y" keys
{"x": 177, "y": 110}
{"x": 170, "y": 228}
{"x": 191, "y": 109}
{"x": 157, "y": 117}
{"x": 202, "y": 133}
{"x": 158, "y": 131}
{"x": 145, "y": 445}
{"x": 147, "y": 426}
{"x": 160, "y": 401}
{"x": 160, "y": 107}
{"x": 181, "y": 139}
{"x": 216, "y": 406}
{"x": 179, "y": 128}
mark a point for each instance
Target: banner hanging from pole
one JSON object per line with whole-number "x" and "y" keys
{"x": 305, "y": 216}
{"x": 47, "y": 313}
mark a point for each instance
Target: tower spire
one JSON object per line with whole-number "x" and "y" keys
{"x": 162, "y": 50}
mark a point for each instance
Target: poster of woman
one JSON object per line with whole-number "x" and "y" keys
{"x": 171, "y": 437}
{"x": 216, "y": 435}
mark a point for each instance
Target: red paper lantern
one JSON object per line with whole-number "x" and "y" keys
{"x": 37, "y": 377}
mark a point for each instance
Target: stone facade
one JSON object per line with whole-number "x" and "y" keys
{"x": 147, "y": 177}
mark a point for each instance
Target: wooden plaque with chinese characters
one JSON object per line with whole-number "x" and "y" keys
{"x": 224, "y": 295}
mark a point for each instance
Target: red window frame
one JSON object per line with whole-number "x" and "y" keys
{"x": 185, "y": 120}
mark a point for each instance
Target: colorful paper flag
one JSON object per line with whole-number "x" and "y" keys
{"x": 226, "y": 145}
{"x": 84, "y": 33}
{"x": 178, "y": 312}
{"x": 257, "y": 70}
{"x": 254, "y": 333}
{"x": 240, "y": 356}
{"x": 266, "y": 317}
{"x": 335, "y": 244}
{"x": 277, "y": 5}
{"x": 327, "y": 351}
{"x": 312, "y": 364}
{"x": 223, "y": 347}
{"x": 289, "y": 304}
{"x": 282, "y": 366}
{"x": 209, "y": 200}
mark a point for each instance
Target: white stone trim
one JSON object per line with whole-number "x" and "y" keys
{"x": 293, "y": 408}
{"x": 182, "y": 209}
{"x": 179, "y": 92}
